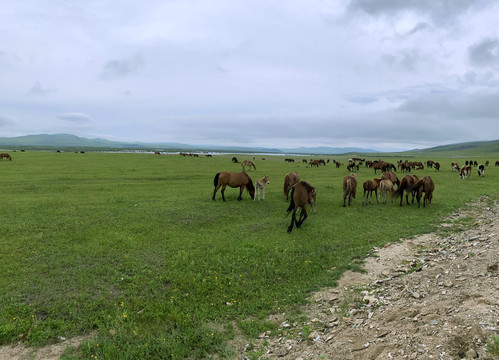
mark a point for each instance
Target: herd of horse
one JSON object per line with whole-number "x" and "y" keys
{"x": 300, "y": 193}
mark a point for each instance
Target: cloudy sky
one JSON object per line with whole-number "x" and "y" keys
{"x": 383, "y": 74}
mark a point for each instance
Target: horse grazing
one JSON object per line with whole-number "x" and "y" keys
{"x": 385, "y": 186}
{"x": 426, "y": 186}
{"x": 233, "y": 179}
{"x": 6, "y": 156}
{"x": 370, "y": 186}
{"x": 465, "y": 171}
{"x": 260, "y": 187}
{"x": 392, "y": 177}
{"x": 248, "y": 163}
{"x": 289, "y": 180}
{"x": 349, "y": 188}
{"x": 405, "y": 184}
{"x": 234, "y": 160}
{"x": 302, "y": 194}
{"x": 455, "y": 167}
{"x": 481, "y": 170}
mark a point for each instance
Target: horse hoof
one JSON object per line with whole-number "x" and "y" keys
{"x": 289, "y": 230}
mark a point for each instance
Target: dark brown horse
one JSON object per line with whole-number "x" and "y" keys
{"x": 234, "y": 180}
{"x": 289, "y": 180}
{"x": 6, "y": 156}
{"x": 405, "y": 184}
{"x": 426, "y": 186}
{"x": 349, "y": 188}
{"x": 302, "y": 194}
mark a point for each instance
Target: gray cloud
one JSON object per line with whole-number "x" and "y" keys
{"x": 440, "y": 11}
{"x": 38, "y": 90}
{"x": 119, "y": 68}
{"x": 75, "y": 117}
{"x": 484, "y": 52}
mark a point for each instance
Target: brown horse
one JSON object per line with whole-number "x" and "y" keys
{"x": 426, "y": 186}
{"x": 349, "y": 188}
{"x": 6, "y": 156}
{"x": 370, "y": 186}
{"x": 289, "y": 180}
{"x": 405, "y": 184}
{"x": 302, "y": 194}
{"x": 234, "y": 180}
{"x": 392, "y": 177}
{"x": 248, "y": 163}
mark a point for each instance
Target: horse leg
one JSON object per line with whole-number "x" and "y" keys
{"x": 241, "y": 189}
{"x": 262, "y": 190}
{"x": 303, "y": 216}
{"x": 223, "y": 192}
{"x": 215, "y": 191}
{"x": 293, "y": 220}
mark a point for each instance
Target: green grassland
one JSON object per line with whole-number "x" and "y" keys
{"x": 131, "y": 247}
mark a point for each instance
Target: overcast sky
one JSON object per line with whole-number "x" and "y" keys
{"x": 382, "y": 74}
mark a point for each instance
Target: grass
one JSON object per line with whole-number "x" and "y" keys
{"x": 131, "y": 247}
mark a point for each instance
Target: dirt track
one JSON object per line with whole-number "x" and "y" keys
{"x": 424, "y": 298}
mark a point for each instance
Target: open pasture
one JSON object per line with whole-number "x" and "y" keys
{"x": 132, "y": 248}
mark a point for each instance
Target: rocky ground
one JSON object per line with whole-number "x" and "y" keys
{"x": 430, "y": 297}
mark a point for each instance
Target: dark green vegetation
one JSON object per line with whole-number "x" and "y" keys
{"x": 132, "y": 248}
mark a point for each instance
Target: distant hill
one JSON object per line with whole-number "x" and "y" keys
{"x": 72, "y": 141}
{"x": 47, "y": 141}
{"x": 467, "y": 148}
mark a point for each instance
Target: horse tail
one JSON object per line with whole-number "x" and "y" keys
{"x": 292, "y": 201}
{"x": 416, "y": 186}
{"x": 215, "y": 181}
{"x": 400, "y": 189}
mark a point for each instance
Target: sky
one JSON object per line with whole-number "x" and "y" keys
{"x": 381, "y": 74}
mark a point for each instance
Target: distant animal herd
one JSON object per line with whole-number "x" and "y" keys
{"x": 387, "y": 185}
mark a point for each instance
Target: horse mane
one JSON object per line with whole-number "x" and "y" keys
{"x": 250, "y": 185}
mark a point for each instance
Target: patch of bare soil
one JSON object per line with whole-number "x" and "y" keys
{"x": 429, "y": 297}
{"x": 50, "y": 352}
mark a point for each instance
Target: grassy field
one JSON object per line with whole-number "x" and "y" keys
{"x": 132, "y": 248}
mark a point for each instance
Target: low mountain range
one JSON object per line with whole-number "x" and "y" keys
{"x": 48, "y": 141}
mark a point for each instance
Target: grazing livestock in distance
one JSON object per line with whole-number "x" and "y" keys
{"x": 481, "y": 170}
{"x": 314, "y": 163}
{"x": 426, "y": 186}
{"x": 260, "y": 187}
{"x": 234, "y": 180}
{"x": 302, "y": 194}
{"x": 405, "y": 184}
{"x": 6, "y": 156}
{"x": 497, "y": 163}
{"x": 234, "y": 160}
{"x": 248, "y": 163}
{"x": 455, "y": 167}
{"x": 370, "y": 186}
{"x": 349, "y": 188}
{"x": 385, "y": 186}
{"x": 289, "y": 180}
{"x": 437, "y": 166}
{"x": 465, "y": 171}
